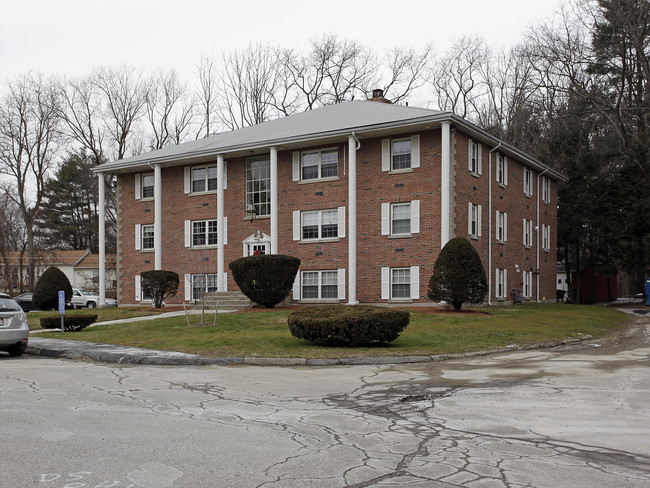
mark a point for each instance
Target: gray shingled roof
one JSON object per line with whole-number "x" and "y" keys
{"x": 327, "y": 123}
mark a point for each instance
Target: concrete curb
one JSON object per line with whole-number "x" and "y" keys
{"x": 111, "y": 353}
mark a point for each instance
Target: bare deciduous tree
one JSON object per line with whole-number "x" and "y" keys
{"x": 29, "y": 134}
{"x": 407, "y": 71}
{"x": 169, "y": 109}
{"x": 207, "y": 97}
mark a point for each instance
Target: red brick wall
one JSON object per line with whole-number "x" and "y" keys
{"x": 374, "y": 187}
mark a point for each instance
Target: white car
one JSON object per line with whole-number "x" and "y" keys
{"x": 87, "y": 299}
{"x": 14, "y": 331}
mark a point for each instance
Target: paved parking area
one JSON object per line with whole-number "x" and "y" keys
{"x": 574, "y": 416}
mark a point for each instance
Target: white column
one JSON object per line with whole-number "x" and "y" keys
{"x": 102, "y": 239}
{"x": 157, "y": 224}
{"x": 352, "y": 222}
{"x": 445, "y": 185}
{"x": 220, "y": 224}
{"x": 274, "y": 200}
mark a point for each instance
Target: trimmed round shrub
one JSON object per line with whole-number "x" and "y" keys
{"x": 46, "y": 291}
{"x": 159, "y": 284}
{"x": 458, "y": 275}
{"x": 266, "y": 279}
{"x": 348, "y": 325}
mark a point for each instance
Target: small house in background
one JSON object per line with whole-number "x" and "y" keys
{"x": 81, "y": 268}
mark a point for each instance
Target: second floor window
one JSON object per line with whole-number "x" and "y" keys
{"x": 474, "y": 220}
{"x": 147, "y": 237}
{"x": 204, "y": 233}
{"x": 322, "y": 224}
{"x": 528, "y": 232}
{"x": 546, "y": 237}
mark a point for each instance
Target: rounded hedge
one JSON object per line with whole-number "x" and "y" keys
{"x": 266, "y": 279}
{"x": 348, "y": 325}
{"x": 46, "y": 291}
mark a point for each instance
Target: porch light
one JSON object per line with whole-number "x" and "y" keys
{"x": 251, "y": 212}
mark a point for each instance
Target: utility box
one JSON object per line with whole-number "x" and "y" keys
{"x": 517, "y": 297}
{"x": 647, "y": 292}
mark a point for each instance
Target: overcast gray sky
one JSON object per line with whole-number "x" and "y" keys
{"x": 73, "y": 36}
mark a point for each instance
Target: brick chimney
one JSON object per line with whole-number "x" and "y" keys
{"x": 378, "y": 96}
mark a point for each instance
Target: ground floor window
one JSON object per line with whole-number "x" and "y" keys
{"x": 527, "y": 285}
{"x": 400, "y": 283}
{"x": 501, "y": 283}
{"x": 202, "y": 284}
{"x": 319, "y": 285}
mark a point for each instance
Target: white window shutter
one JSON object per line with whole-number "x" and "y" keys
{"x": 385, "y": 219}
{"x": 415, "y": 216}
{"x": 469, "y": 220}
{"x": 415, "y": 151}
{"x": 188, "y": 233}
{"x": 470, "y": 155}
{"x": 385, "y": 155}
{"x": 138, "y": 186}
{"x": 188, "y": 287}
{"x": 478, "y": 217}
{"x": 296, "y": 166}
{"x": 385, "y": 283}
{"x": 480, "y": 158}
{"x": 138, "y": 237}
{"x": 138, "y": 289}
{"x": 225, "y": 175}
{"x": 341, "y": 229}
{"x": 225, "y": 281}
{"x": 505, "y": 226}
{"x": 415, "y": 282}
{"x": 341, "y": 279}
{"x": 225, "y": 231}
{"x": 186, "y": 179}
{"x": 505, "y": 282}
{"x": 296, "y": 287}
{"x": 296, "y": 225}
{"x": 505, "y": 170}
{"x": 523, "y": 233}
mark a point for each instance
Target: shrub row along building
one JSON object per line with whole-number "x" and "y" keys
{"x": 364, "y": 193}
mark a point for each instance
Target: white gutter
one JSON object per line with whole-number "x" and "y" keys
{"x": 353, "y": 145}
{"x": 445, "y": 184}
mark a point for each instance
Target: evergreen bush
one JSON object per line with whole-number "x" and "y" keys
{"x": 348, "y": 325}
{"x": 266, "y": 279}
{"x": 159, "y": 284}
{"x": 73, "y": 323}
{"x": 46, "y": 291}
{"x": 458, "y": 275}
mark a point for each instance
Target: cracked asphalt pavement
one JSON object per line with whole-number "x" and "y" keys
{"x": 572, "y": 416}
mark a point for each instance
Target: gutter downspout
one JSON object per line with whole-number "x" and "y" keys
{"x": 490, "y": 223}
{"x": 538, "y": 230}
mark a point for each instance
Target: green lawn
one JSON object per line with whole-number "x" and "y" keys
{"x": 266, "y": 334}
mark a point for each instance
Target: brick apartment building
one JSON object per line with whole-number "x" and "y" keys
{"x": 365, "y": 194}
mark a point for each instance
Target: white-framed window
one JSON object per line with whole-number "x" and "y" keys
{"x": 527, "y": 284}
{"x": 204, "y": 233}
{"x": 400, "y": 154}
{"x": 502, "y": 226}
{"x": 315, "y": 165}
{"x": 475, "y": 158}
{"x": 400, "y": 219}
{"x": 502, "y": 169}
{"x": 318, "y": 225}
{"x": 144, "y": 237}
{"x": 258, "y": 184}
{"x": 528, "y": 233}
{"x": 546, "y": 237}
{"x": 144, "y": 186}
{"x": 528, "y": 182}
{"x": 139, "y": 294}
{"x": 198, "y": 284}
{"x": 546, "y": 190}
{"x": 501, "y": 279}
{"x": 400, "y": 283}
{"x": 474, "y": 220}
{"x": 203, "y": 179}
{"x": 326, "y": 284}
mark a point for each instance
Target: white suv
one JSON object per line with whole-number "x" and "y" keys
{"x": 86, "y": 299}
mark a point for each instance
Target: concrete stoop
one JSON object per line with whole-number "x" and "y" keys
{"x": 224, "y": 301}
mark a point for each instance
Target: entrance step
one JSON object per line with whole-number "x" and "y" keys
{"x": 224, "y": 301}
